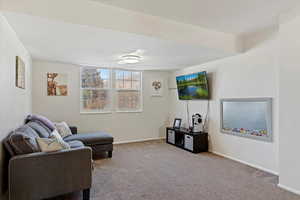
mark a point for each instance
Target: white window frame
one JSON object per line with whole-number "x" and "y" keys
{"x": 120, "y": 89}
{"x": 110, "y": 89}
{"x": 113, "y": 92}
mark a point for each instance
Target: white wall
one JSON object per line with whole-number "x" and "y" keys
{"x": 123, "y": 126}
{"x": 251, "y": 74}
{"x": 289, "y": 107}
{"x": 15, "y": 103}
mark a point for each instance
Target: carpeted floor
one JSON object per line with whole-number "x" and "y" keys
{"x": 158, "y": 171}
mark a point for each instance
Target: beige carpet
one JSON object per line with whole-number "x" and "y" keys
{"x": 158, "y": 171}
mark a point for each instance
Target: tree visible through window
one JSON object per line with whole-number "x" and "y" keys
{"x": 128, "y": 87}
{"x": 95, "y": 90}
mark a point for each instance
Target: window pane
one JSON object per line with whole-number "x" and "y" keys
{"x": 136, "y": 76}
{"x": 127, "y": 75}
{"x": 136, "y": 85}
{"x": 95, "y": 78}
{"x": 119, "y": 79}
{"x": 129, "y": 100}
{"x": 119, "y": 84}
{"x": 127, "y": 84}
{"x": 136, "y": 80}
{"x": 95, "y": 100}
{"x": 128, "y": 80}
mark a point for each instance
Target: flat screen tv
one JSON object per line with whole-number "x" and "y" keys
{"x": 192, "y": 86}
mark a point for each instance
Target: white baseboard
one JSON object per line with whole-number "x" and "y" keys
{"x": 140, "y": 140}
{"x": 246, "y": 163}
{"x": 288, "y": 189}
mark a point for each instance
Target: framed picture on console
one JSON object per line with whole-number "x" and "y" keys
{"x": 177, "y": 123}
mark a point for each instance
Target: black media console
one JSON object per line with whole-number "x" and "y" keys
{"x": 185, "y": 139}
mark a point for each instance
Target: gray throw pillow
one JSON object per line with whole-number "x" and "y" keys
{"x": 23, "y": 140}
{"x": 63, "y": 129}
{"x": 40, "y": 128}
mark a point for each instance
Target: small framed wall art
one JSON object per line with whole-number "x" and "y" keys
{"x": 57, "y": 84}
{"x": 20, "y": 73}
{"x": 157, "y": 88}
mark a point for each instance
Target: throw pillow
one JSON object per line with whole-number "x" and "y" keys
{"x": 56, "y": 135}
{"x": 42, "y": 119}
{"x": 63, "y": 129}
{"x": 22, "y": 140}
{"x": 50, "y": 144}
{"x": 40, "y": 128}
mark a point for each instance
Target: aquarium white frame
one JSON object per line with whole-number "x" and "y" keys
{"x": 268, "y": 100}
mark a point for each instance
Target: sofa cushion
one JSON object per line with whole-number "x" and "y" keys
{"x": 40, "y": 128}
{"x": 51, "y": 144}
{"x": 75, "y": 144}
{"x": 91, "y": 138}
{"x": 56, "y": 135}
{"x": 23, "y": 140}
{"x": 63, "y": 129}
{"x": 8, "y": 146}
{"x": 41, "y": 119}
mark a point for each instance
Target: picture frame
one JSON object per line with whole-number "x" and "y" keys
{"x": 177, "y": 123}
{"x": 157, "y": 88}
{"x": 20, "y": 73}
{"x": 57, "y": 84}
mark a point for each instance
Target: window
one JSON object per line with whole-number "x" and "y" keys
{"x": 128, "y": 90}
{"x": 97, "y": 93}
{"x": 95, "y": 90}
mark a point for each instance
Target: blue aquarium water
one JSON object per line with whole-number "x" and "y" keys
{"x": 245, "y": 115}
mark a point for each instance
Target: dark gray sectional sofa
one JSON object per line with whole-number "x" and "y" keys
{"x": 35, "y": 175}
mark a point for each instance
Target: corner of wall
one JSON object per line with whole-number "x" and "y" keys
{"x": 26, "y": 56}
{"x": 240, "y": 45}
{"x": 289, "y": 15}
{"x": 227, "y": 78}
{"x": 16, "y": 102}
{"x": 288, "y": 100}
{"x": 254, "y": 39}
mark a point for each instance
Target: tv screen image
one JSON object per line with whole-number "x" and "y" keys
{"x": 192, "y": 86}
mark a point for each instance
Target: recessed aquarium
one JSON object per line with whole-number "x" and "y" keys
{"x": 247, "y": 117}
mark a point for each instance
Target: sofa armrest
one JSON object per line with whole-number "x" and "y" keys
{"x": 44, "y": 175}
{"x": 73, "y": 129}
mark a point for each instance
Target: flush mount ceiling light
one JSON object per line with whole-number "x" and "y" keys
{"x": 132, "y": 58}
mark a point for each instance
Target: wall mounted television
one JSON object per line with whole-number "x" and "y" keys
{"x": 192, "y": 86}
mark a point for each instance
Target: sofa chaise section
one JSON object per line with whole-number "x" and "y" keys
{"x": 99, "y": 141}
